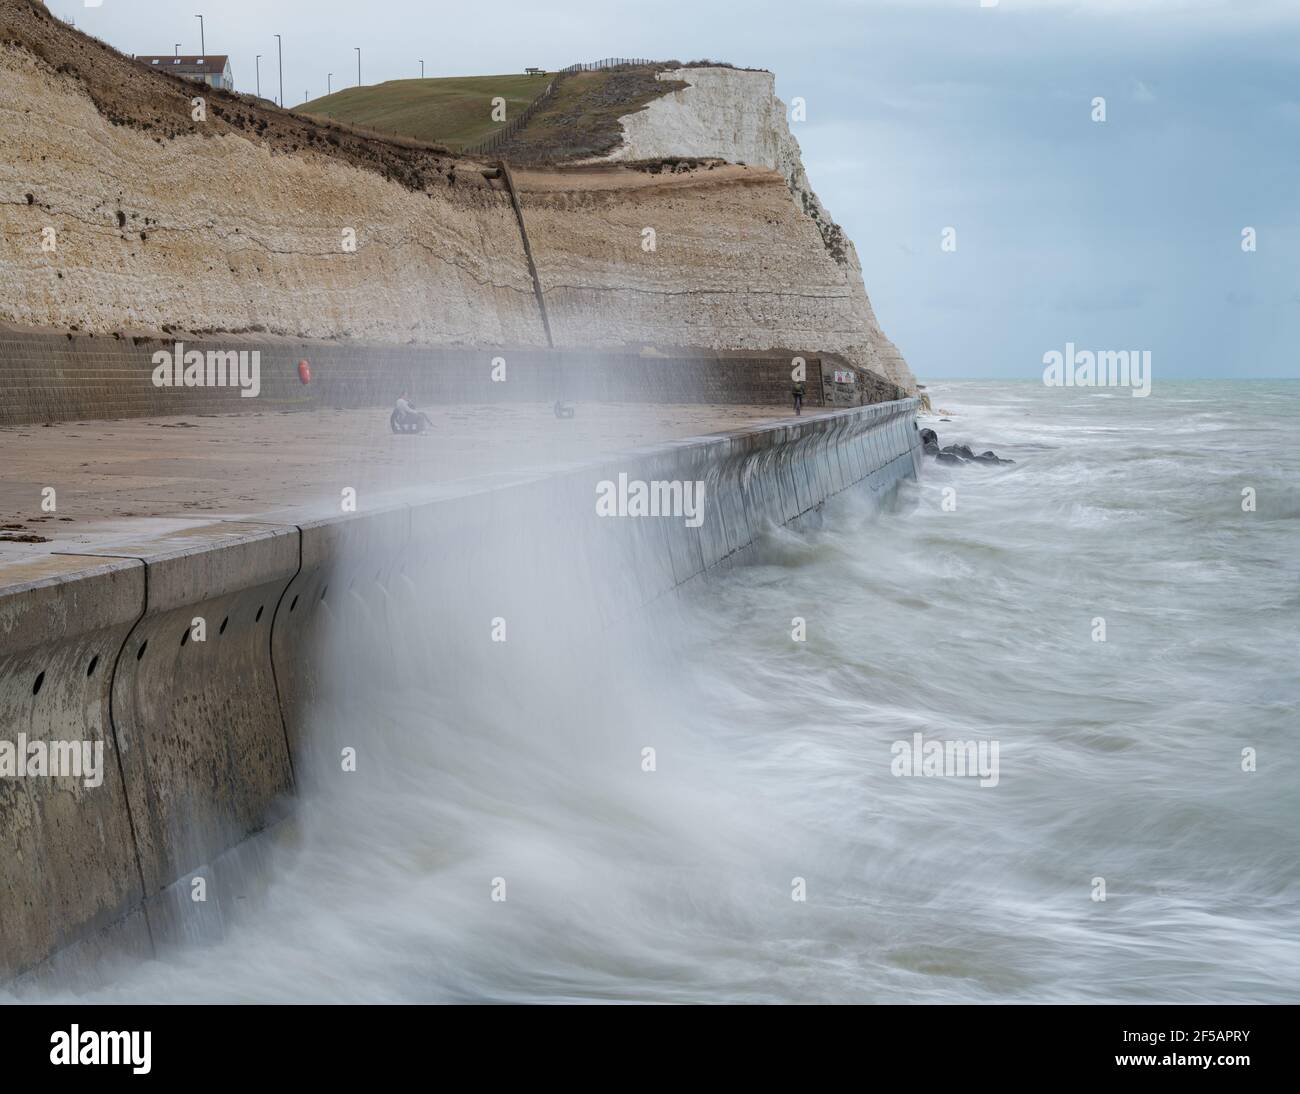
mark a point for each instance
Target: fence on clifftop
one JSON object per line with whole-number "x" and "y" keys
{"x": 502, "y": 135}
{"x": 609, "y": 62}
{"x": 515, "y": 124}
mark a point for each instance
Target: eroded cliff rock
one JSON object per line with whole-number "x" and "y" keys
{"x": 734, "y": 115}
{"x": 733, "y": 263}
{"x": 119, "y": 211}
{"x": 107, "y": 227}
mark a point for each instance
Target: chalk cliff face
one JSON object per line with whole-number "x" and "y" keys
{"x": 734, "y": 115}
{"x": 107, "y": 228}
{"x": 733, "y": 264}
{"x": 119, "y": 211}
{"x": 727, "y": 113}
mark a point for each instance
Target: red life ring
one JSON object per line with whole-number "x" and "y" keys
{"x": 304, "y": 372}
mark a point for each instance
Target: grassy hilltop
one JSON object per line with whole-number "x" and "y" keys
{"x": 454, "y": 111}
{"x": 580, "y": 119}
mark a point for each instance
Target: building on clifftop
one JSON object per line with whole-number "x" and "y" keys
{"x": 212, "y": 69}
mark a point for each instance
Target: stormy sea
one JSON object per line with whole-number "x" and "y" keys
{"x": 1023, "y": 732}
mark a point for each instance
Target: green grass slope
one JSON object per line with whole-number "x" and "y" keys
{"x": 454, "y": 111}
{"x": 581, "y": 119}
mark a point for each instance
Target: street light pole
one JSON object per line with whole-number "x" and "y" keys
{"x": 258, "y": 66}
{"x": 358, "y": 49}
{"x": 279, "y": 48}
{"x": 203, "y": 43}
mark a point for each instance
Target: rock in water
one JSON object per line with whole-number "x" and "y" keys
{"x": 955, "y": 453}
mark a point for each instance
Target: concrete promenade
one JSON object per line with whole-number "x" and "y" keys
{"x": 125, "y": 479}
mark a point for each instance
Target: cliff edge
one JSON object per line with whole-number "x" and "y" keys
{"x": 734, "y": 115}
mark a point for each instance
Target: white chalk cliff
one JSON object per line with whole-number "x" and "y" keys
{"x": 123, "y": 212}
{"x": 734, "y": 115}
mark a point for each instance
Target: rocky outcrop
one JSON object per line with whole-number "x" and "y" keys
{"x": 956, "y": 453}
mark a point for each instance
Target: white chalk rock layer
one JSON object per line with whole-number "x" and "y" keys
{"x": 734, "y": 115}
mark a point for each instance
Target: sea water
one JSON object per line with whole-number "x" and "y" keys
{"x": 712, "y": 803}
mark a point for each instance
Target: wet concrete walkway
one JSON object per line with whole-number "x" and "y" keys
{"x": 117, "y": 481}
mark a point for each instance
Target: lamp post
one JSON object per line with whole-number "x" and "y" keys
{"x": 329, "y": 84}
{"x": 279, "y": 48}
{"x": 203, "y": 44}
{"x": 258, "y": 65}
{"x": 358, "y": 49}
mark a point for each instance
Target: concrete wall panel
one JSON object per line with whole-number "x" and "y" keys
{"x": 67, "y": 855}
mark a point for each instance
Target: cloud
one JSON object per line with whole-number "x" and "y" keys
{"x": 1237, "y": 12}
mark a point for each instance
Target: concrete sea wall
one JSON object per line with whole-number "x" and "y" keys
{"x": 203, "y": 741}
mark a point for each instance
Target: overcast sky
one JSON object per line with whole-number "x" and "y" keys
{"x": 923, "y": 115}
